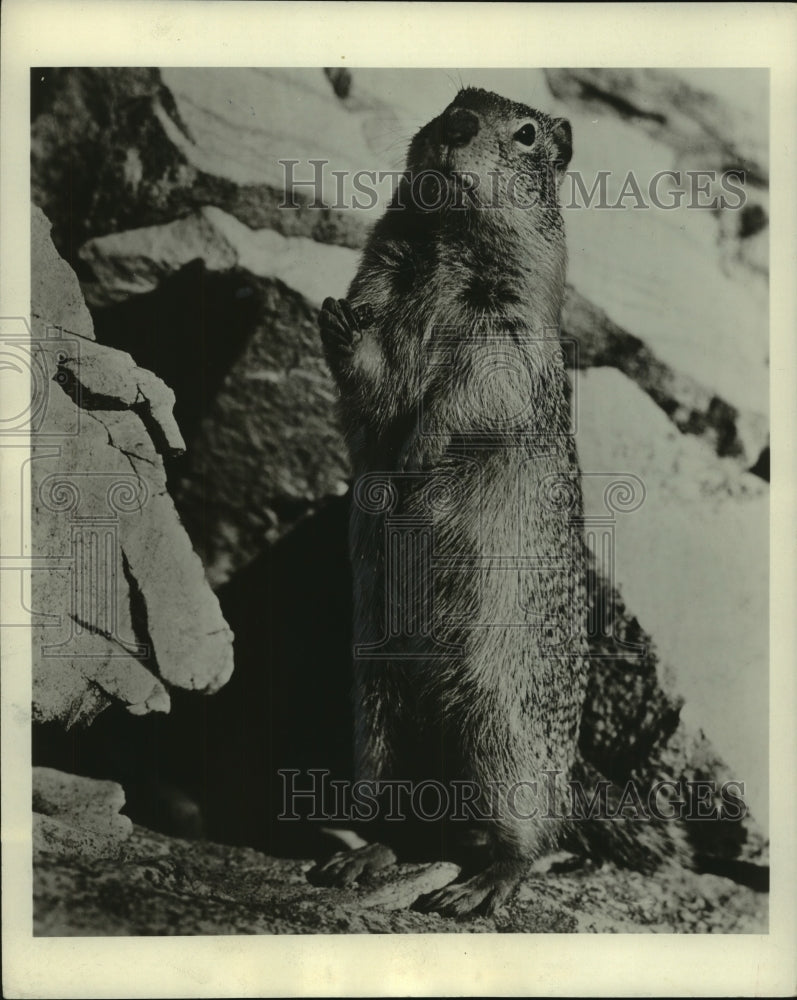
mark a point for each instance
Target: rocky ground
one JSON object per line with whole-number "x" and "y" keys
{"x": 188, "y": 450}
{"x": 103, "y": 876}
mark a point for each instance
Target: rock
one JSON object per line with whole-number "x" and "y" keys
{"x": 340, "y": 80}
{"x": 121, "y": 148}
{"x": 665, "y": 290}
{"x": 689, "y": 282}
{"x": 85, "y": 645}
{"x": 55, "y": 292}
{"x": 270, "y": 449}
{"x": 679, "y": 109}
{"x": 191, "y": 642}
{"x": 99, "y": 671}
{"x": 245, "y": 450}
{"x": 253, "y": 471}
{"x": 254, "y": 113}
{"x": 120, "y": 601}
{"x": 98, "y": 378}
{"x": 644, "y": 122}
{"x": 635, "y": 728}
{"x": 689, "y": 404}
{"x": 164, "y": 886}
{"x": 137, "y": 261}
{"x": 692, "y": 560}
{"x": 76, "y": 817}
{"x": 99, "y": 158}
{"x": 400, "y": 894}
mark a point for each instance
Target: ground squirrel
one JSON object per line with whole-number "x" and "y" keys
{"x": 469, "y": 583}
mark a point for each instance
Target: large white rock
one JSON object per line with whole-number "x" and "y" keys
{"x": 657, "y": 281}
{"x": 239, "y": 123}
{"x": 120, "y": 603}
{"x": 135, "y": 261}
{"x": 679, "y": 278}
{"x": 692, "y": 562}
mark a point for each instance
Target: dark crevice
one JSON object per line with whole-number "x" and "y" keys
{"x": 752, "y": 219}
{"x": 595, "y": 341}
{"x": 752, "y": 173}
{"x": 720, "y": 420}
{"x": 340, "y": 78}
{"x": 81, "y": 395}
{"x": 761, "y": 467}
{"x": 287, "y": 704}
{"x": 624, "y": 108}
{"x": 754, "y": 876}
{"x": 138, "y": 616}
{"x": 189, "y": 332}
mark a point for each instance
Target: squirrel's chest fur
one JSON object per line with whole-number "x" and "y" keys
{"x": 461, "y": 576}
{"x": 447, "y": 304}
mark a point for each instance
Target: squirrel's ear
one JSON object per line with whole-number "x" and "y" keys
{"x": 562, "y": 136}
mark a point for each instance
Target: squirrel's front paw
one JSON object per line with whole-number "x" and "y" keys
{"x": 341, "y": 328}
{"x": 347, "y": 867}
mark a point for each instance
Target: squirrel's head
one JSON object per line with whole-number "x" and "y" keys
{"x": 490, "y": 152}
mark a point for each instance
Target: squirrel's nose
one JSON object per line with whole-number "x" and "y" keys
{"x": 460, "y": 126}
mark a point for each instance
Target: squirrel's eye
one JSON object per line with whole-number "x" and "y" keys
{"x": 526, "y": 135}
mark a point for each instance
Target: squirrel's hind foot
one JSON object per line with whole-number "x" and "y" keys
{"x": 483, "y": 894}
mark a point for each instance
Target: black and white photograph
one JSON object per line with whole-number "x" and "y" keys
{"x": 394, "y": 479}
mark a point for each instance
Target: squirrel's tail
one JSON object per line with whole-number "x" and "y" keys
{"x": 610, "y": 822}
{"x": 633, "y": 826}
